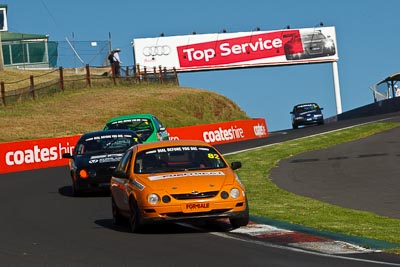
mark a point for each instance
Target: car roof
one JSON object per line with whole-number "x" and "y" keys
{"x": 108, "y": 132}
{"x": 132, "y": 116}
{"x": 306, "y": 104}
{"x": 167, "y": 143}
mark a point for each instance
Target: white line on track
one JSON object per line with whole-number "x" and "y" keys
{"x": 271, "y": 245}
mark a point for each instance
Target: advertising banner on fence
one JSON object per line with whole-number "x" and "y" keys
{"x": 233, "y": 50}
{"x": 35, "y": 154}
{"x": 220, "y": 133}
{"x": 45, "y": 153}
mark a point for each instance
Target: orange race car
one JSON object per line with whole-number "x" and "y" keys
{"x": 174, "y": 181}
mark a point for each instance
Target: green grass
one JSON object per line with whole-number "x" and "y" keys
{"x": 76, "y": 111}
{"x": 267, "y": 200}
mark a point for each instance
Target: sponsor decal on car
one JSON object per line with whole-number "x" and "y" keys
{"x": 105, "y": 158}
{"x": 179, "y": 175}
{"x": 190, "y": 207}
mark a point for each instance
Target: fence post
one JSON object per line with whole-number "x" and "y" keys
{"x": 113, "y": 73}
{"x": 61, "y": 78}
{"x": 3, "y": 93}
{"x": 176, "y": 76}
{"x": 32, "y": 88}
{"x": 138, "y": 74}
{"x": 88, "y": 79}
{"x": 165, "y": 74}
{"x": 154, "y": 74}
{"x": 145, "y": 74}
{"x": 160, "y": 74}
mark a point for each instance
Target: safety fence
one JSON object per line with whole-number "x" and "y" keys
{"x": 61, "y": 79}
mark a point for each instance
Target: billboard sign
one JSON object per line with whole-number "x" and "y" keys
{"x": 235, "y": 50}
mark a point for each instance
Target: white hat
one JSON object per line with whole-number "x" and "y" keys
{"x": 396, "y": 86}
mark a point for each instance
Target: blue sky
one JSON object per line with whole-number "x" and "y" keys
{"x": 367, "y": 43}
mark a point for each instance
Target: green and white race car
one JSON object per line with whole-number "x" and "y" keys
{"x": 146, "y": 126}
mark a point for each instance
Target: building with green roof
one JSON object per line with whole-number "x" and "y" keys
{"x": 25, "y": 50}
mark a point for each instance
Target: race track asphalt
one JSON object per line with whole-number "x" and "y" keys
{"x": 362, "y": 175}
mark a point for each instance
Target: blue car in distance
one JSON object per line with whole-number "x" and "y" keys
{"x": 306, "y": 114}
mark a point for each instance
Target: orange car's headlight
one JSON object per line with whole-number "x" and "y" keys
{"x": 235, "y": 193}
{"x": 153, "y": 199}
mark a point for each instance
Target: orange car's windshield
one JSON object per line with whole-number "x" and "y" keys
{"x": 178, "y": 158}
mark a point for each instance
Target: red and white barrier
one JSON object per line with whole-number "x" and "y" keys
{"x": 35, "y": 154}
{"x": 45, "y": 153}
{"x": 220, "y": 133}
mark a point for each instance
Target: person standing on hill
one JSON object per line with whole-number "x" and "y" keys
{"x": 115, "y": 61}
{"x": 111, "y": 60}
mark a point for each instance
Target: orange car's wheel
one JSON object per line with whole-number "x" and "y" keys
{"x": 117, "y": 218}
{"x": 134, "y": 217}
{"x": 241, "y": 221}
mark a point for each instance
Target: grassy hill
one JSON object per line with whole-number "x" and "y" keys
{"x": 77, "y": 111}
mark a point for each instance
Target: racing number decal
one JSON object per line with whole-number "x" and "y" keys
{"x": 213, "y": 156}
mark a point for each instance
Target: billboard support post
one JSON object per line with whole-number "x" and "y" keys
{"x": 337, "y": 87}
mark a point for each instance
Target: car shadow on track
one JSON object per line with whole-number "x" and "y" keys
{"x": 169, "y": 227}
{"x": 66, "y": 191}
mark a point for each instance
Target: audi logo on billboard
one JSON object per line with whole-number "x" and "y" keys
{"x": 161, "y": 50}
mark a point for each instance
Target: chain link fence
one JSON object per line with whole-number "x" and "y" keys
{"x": 76, "y": 54}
